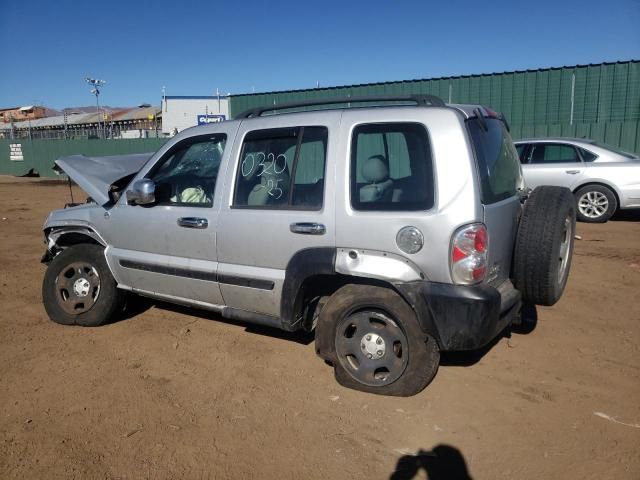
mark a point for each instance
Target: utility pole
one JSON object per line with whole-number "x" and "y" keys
{"x": 66, "y": 122}
{"x": 97, "y": 84}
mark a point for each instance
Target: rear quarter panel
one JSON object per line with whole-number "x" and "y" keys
{"x": 623, "y": 178}
{"x": 456, "y": 191}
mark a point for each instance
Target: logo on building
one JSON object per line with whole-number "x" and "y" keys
{"x": 209, "y": 118}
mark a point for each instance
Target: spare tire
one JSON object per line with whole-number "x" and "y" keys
{"x": 544, "y": 245}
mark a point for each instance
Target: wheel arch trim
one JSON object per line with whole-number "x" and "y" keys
{"x": 59, "y": 237}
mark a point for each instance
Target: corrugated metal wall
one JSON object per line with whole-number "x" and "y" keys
{"x": 40, "y": 154}
{"x": 601, "y": 102}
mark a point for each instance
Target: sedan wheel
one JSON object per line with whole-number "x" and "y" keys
{"x": 595, "y": 203}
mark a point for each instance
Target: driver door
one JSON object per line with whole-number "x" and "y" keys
{"x": 168, "y": 249}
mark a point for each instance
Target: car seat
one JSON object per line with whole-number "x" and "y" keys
{"x": 272, "y": 189}
{"x": 380, "y": 187}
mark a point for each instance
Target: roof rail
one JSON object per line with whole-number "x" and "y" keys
{"x": 421, "y": 100}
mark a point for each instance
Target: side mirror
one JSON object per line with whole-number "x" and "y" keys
{"x": 142, "y": 192}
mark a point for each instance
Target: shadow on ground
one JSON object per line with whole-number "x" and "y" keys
{"x": 443, "y": 462}
{"x": 528, "y": 323}
{"x": 627, "y": 216}
{"x": 139, "y": 305}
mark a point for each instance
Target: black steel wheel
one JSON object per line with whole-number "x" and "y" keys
{"x": 371, "y": 347}
{"x": 78, "y": 288}
{"x": 372, "y": 338}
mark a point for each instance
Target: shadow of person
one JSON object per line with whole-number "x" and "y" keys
{"x": 444, "y": 462}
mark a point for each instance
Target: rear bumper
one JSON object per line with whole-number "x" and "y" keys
{"x": 462, "y": 317}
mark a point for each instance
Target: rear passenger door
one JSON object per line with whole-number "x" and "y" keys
{"x": 276, "y": 205}
{"x": 552, "y": 164}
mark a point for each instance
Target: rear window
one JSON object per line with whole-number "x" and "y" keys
{"x": 613, "y": 149}
{"x": 391, "y": 167}
{"x": 498, "y": 162}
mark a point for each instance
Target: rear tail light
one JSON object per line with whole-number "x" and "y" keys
{"x": 469, "y": 254}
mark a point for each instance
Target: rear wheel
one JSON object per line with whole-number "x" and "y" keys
{"x": 78, "y": 288}
{"x": 596, "y": 203}
{"x": 374, "y": 342}
{"x": 544, "y": 245}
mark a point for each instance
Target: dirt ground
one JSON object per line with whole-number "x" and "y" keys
{"x": 171, "y": 393}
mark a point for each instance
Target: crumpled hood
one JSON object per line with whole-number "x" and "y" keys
{"x": 95, "y": 175}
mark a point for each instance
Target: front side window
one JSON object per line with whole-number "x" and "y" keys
{"x": 553, "y": 153}
{"x": 282, "y": 168}
{"x": 522, "y": 150}
{"x": 498, "y": 162}
{"x": 391, "y": 167}
{"x": 188, "y": 172}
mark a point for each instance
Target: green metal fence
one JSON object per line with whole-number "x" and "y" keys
{"x": 40, "y": 154}
{"x": 601, "y": 101}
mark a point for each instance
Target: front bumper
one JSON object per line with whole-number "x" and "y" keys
{"x": 462, "y": 317}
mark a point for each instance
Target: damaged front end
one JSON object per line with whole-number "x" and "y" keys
{"x": 57, "y": 239}
{"x": 103, "y": 179}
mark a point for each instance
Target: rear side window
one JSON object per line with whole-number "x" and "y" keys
{"x": 587, "y": 156}
{"x": 391, "y": 167}
{"x": 553, "y": 153}
{"x": 498, "y": 161}
{"x": 282, "y": 168}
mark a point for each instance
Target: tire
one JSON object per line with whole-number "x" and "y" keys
{"x": 358, "y": 323}
{"x": 595, "y": 203}
{"x": 544, "y": 245}
{"x": 78, "y": 288}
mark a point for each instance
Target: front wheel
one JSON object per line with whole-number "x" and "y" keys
{"x": 78, "y": 288}
{"x": 374, "y": 341}
{"x": 596, "y": 204}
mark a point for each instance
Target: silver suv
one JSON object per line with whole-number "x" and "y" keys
{"x": 395, "y": 231}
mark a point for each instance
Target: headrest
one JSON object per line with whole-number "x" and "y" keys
{"x": 375, "y": 169}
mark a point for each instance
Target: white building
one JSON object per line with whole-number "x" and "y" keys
{"x": 180, "y": 112}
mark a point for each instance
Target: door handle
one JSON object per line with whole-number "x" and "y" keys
{"x": 572, "y": 172}
{"x": 308, "y": 228}
{"x": 193, "y": 222}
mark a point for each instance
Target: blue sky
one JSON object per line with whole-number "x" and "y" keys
{"x": 192, "y": 48}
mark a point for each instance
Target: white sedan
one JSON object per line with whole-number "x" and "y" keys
{"x": 602, "y": 178}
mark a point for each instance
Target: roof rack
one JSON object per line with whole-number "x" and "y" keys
{"x": 420, "y": 100}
